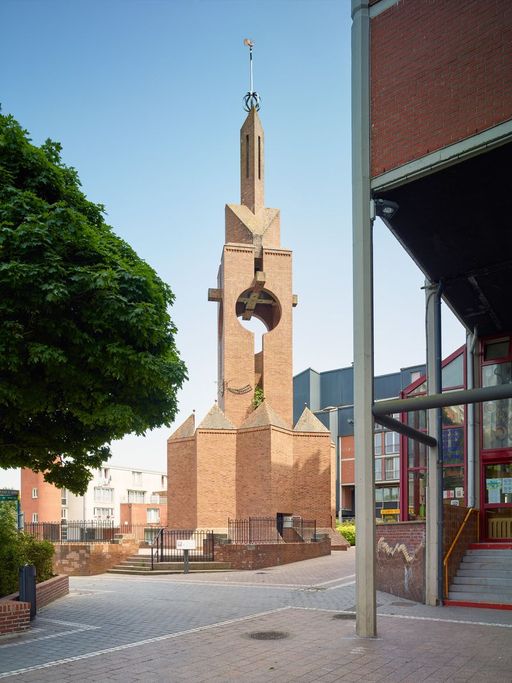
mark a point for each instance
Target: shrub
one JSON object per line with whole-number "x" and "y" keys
{"x": 17, "y": 549}
{"x": 348, "y": 531}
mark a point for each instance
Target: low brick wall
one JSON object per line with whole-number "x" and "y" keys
{"x": 14, "y": 616}
{"x": 54, "y": 588}
{"x": 401, "y": 559}
{"x": 258, "y": 556}
{"x": 87, "y": 559}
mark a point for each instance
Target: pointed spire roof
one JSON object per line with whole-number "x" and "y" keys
{"x": 215, "y": 419}
{"x": 308, "y": 422}
{"x": 186, "y": 429}
{"x": 264, "y": 415}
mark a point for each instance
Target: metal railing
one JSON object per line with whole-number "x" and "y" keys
{"x": 446, "y": 560}
{"x": 165, "y": 546}
{"x": 85, "y": 531}
{"x": 267, "y": 530}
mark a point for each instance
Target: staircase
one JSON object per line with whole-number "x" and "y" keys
{"x": 140, "y": 565}
{"x": 484, "y": 578}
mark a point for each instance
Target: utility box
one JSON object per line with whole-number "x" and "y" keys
{"x": 27, "y": 584}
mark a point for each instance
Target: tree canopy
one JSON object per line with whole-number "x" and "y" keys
{"x": 87, "y": 346}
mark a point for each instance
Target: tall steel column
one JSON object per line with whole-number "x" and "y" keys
{"x": 434, "y": 537}
{"x": 366, "y": 619}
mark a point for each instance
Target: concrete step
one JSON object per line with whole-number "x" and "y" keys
{"x": 468, "y": 596}
{"x": 482, "y": 564}
{"x": 485, "y": 573}
{"x": 483, "y": 581}
{"x": 497, "y": 554}
{"x": 506, "y": 593}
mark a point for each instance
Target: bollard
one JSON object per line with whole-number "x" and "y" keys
{"x": 27, "y": 586}
{"x": 185, "y": 561}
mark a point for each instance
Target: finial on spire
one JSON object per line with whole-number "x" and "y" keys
{"x": 251, "y": 99}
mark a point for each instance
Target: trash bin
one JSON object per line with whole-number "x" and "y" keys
{"x": 27, "y": 584}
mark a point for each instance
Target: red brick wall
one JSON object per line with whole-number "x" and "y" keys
{"x": 440, "y": 72}
{"x": 137, "y": 513}
{"x": 87, "y": 559}
{"x": 401, "y": 559}
{"x": 48, "y": 502}
{"x": 313, "y": 492}
{"x": 216, "y": 468}
{"x": 182, "y": 483}
{"x": 14, "y": 616}
{"x": 269, "y": 555}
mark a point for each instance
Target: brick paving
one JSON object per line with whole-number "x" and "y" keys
{"x": 201, "y": 628}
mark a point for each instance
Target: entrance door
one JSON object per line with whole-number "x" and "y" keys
{"x": 497, "y": 499}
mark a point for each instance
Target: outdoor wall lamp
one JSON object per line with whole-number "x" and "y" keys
{"x": 384, "y": 208}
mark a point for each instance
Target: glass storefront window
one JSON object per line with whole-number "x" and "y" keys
{"x": 453, "y": 485}
{"x": 417, "y": 453}
{"x": 453, "y": 415}
{"x": 498, "y": 483}
{"x": 417, "y": 419}
{"x": 416, "y": 490}
{"x": 453, "y": 373}
{"x": 497, "y": 415}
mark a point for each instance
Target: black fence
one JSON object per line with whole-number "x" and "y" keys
{"x": 169, "y": 546}
{"x": 90, "y": 531}
{"x": 285, "y": 529}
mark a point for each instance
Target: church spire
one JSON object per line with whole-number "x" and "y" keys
{"x": 252, "y": 163}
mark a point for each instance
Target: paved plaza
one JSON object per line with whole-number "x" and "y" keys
{"x": 289, "y": 623}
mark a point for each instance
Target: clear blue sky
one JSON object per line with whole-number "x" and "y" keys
{"x": 146, "y": 98}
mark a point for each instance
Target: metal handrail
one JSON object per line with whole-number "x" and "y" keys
{"x": 454, "y": 543}
{"x": 155, "y": 544}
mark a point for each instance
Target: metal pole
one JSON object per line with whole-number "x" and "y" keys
{"x": 434, "y": 491}
{"x": 366, "y": 617}
{"x": 470, "y": 374}
{"x": 250, "y": 69}
{"x": 185, "y": 561}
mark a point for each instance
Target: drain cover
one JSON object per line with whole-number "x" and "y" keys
{"x": 344, "y": 615}
{"x": 268, "y": 635}
{"x": 261, "y": 572}
{"x": 403, "y": 604}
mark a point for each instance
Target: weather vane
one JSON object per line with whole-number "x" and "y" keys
{"x": 252, "y": 99}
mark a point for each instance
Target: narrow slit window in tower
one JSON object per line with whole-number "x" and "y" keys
{"x": 246, "y": 156}
{"x": 259, "y": 157}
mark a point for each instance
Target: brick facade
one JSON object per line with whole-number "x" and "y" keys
{"x": 440, "y": 73}
{"x": 87, "y": 559}
{"x": 14, "y": 616}
{"x": 240, "y": 461}
{"x": 47, "y": 503}
{"x": 400, "y": 562}
{"x": 269, "y": 555}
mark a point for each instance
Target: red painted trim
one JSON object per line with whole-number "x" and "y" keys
{"x": 480, "y": 605}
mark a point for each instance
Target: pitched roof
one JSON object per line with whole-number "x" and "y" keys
{"x": 262, "y": 416}
{"x": 186, "y": 429}
{"x": 308, "y": 422}
{"x": 215, "y": 419}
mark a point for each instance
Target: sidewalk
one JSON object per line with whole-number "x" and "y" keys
{"x": 274, "y": 625}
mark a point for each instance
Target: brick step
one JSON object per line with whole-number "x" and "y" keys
{"x": 157, "y": 572}
{"x": 484, "y": 580}
{"x": 478, "y": 597}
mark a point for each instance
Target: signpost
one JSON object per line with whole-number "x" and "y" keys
{"x": 185, "y": 544}
{"x": 7, "y": 495}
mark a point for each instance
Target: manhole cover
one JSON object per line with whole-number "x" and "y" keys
{"x": 268, "y": 635}
{"x": 344, "y": 615}
{"x": 261, "y": 572}
{"x": 402, "y": 604}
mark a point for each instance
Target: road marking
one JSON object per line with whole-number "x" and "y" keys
{"x": 407, "y": 616}
{"x": 139, "y": 643}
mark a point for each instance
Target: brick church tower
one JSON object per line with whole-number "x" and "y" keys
{"x": 244, "y": 461}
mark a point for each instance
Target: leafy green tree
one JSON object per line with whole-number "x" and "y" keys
{"x": 87, "y": 350}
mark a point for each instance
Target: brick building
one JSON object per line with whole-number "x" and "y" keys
{"x": 117, "y": 494}
{"x": 244, "y": 461}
